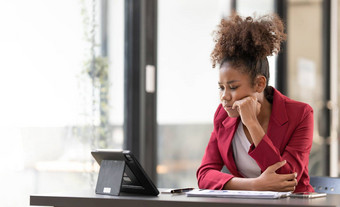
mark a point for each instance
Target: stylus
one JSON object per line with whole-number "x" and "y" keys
{"x": 181, "y": 190}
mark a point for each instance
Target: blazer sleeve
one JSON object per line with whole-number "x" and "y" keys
{"x": 296, "y": 152}
{"x": 209, "y": 174}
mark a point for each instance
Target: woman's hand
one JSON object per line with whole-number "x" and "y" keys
{"x": 270, "y": 180}
{"x": 248, "y": 108}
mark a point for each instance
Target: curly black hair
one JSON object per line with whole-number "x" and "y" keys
{"x": 249, "y": 38}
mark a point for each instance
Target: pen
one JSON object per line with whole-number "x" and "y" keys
{"x": 181, "y": 190}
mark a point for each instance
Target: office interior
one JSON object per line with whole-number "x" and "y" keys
{"x": 136, "y": 74}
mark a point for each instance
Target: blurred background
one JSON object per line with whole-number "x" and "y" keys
{"x": 136, "y": 74}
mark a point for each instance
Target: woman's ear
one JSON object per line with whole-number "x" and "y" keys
{"x": 260, "y": 83}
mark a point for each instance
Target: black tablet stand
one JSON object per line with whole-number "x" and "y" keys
{"x": 110, "y": 177}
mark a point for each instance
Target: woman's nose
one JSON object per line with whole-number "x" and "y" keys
{"x": 225, "y": 96}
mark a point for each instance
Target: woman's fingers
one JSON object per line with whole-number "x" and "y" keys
{"x": 291, "y": 176}
{"x": 236, "y": 104}
{"x": 290, "y": 183}
{"x": 243, "y": 101}
{"x": 287, "y": 189}
{"x": 285, "y": 186}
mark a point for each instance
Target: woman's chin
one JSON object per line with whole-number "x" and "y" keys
{"x": 233, "y": 113}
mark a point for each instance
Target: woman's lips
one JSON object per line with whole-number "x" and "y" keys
{"x": 228, "y": 107}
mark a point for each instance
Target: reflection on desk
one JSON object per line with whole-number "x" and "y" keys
{"x": 90, "y": 199}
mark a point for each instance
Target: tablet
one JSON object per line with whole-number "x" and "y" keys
{"x": 307, "y": 195}
{"x": 135, "y": 180}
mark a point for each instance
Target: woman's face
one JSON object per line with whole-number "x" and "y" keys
{"x": 234, "y": 85}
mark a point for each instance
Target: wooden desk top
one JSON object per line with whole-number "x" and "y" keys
{"x": 90, "y": 199}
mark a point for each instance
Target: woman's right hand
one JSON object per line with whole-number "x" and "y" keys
{"x": 270, "y": 180}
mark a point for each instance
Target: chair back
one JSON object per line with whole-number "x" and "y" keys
{"x": 329, "y": 185}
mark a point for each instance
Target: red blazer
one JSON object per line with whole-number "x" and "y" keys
{"x": 289, "y": 137}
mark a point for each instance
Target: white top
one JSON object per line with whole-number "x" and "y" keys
{"x": 245, "y": 164}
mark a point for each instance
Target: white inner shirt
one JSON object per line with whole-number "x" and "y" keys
{"x": 245, "y": 164}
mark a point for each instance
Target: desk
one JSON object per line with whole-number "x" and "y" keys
{"x": 90, "y": 199}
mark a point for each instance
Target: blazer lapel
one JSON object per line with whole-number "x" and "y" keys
{"x": 277, "y": 127}
{"x": 226, "y": 134}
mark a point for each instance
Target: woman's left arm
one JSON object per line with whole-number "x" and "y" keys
{"x": 296, "y": 152}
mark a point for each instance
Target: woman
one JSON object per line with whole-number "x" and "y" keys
{"x": 260, "y": 135}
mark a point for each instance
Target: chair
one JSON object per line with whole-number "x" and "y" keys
{"x": 329, "y": 185}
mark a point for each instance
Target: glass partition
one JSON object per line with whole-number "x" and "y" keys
{"x": 304, "y": 45}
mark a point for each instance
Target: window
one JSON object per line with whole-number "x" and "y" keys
{"x": 47, "y": 110}
{"x": 187, "y": 86}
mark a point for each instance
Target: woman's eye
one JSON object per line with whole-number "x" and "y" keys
{"x": 221, "y": 88}
{"x": 233, "y": 87}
